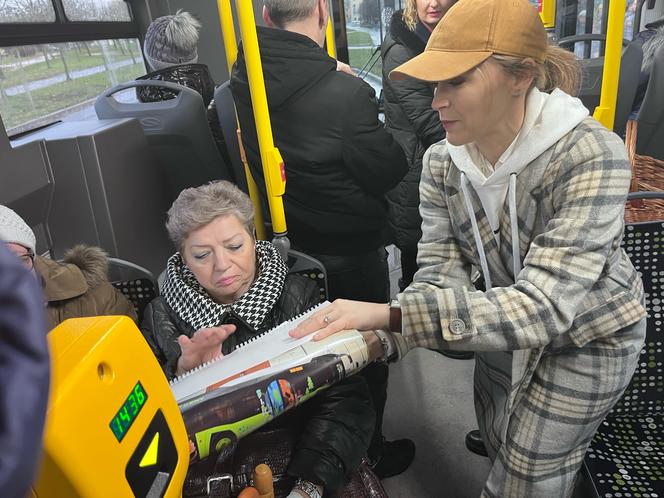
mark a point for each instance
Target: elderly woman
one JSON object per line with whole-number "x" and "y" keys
{"x": 531, "y": 190}
{"x": 410, "y": 119}
{"x": 223, "y": 287}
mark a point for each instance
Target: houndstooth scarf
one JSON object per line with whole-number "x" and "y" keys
{"x": 194, "y": 305}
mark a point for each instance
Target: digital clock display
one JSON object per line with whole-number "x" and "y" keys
{"x": 128, "y": 411}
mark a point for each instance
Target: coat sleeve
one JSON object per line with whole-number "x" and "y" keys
{"x": 439, "y": 259}
{"x": 24, "y": 369}
{"x": 370, "y": 153}
{"x": 413, "y": 97}
{"x": 161, "y": 334}
{"x": 588, "y": 186}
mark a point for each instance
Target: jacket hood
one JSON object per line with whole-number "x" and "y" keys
{"x": 292, "y": 64}
{"x": 548, "y": 118}
{"x": 83, "y": 268}
{"x": 401, "y": 34}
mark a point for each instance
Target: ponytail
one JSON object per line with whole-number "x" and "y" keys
{"x": 561, "y": 69}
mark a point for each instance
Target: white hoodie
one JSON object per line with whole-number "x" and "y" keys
{"x": 547, "y": 119}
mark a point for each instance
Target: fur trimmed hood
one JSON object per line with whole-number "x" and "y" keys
{"x": 83, "y": 268}
{"x": 92, "y": 261}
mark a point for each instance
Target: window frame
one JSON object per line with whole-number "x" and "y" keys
{"x": 63, "y": 30}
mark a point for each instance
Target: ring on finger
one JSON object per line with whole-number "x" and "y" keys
{"x": 326, "y": 319}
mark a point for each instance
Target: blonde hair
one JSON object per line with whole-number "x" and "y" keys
{"x": 409, "y": 15}
{"x": 561, "y": 69}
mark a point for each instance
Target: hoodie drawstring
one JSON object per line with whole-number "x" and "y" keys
{"x": 476, "y": 232}
{"x": 514, "y": 222}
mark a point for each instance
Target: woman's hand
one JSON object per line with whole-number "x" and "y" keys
{"x": 343, "y": 314}
{"x": 204, "y": 345}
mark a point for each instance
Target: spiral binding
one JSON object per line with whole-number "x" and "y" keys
{"x": 202, "y": 366}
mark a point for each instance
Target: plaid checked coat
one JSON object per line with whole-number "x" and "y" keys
{"x": 557, "y": 343}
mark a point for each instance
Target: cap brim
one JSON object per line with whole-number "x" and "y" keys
{"x": 438, "y": 65}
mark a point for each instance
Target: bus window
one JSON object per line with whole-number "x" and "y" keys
{"x": 24, "y": 11}
{"x": 41, "y": 84}
{"x": 366, "y": 22}
{"x": 94, "y": 10}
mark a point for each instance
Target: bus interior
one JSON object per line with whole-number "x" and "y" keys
{"x": 83, "y": 161}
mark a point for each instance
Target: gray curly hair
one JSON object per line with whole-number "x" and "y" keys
{"x": 197, "y": 206}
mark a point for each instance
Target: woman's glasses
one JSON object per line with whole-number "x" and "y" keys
{"x": 28, "y": 259}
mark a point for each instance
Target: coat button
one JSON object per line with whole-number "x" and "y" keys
{"x": 457, "y": 326}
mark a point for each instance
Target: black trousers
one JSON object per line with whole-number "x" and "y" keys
{"x": 363, "y": 277}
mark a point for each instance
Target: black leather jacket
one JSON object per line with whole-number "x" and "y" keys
{"x": 337, "y": 423}
{"x": 162, "y": 326}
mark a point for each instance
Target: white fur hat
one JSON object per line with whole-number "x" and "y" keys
{"x": 14, "y": 230}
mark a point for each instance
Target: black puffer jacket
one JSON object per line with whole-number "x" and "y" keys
{"x": 162, "y": 326}
{"x": 339, "y": 160}
{"x": 338, "y": 422}
{"x": 413, "y": 123}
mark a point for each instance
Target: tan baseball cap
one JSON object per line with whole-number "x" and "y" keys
{"x": 473, "y": 30}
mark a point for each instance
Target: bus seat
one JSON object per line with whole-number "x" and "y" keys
{"x": 626, "y": 450}
{"x": 651, "y": 115}
{"x": 223, "y": 99}
{"x": 176, "y": 129}
{"x": 136, "y": 283}
{"x": 591, "y": 86}
{"x": 309, "y": 267}
{"x": 27, "y": 185}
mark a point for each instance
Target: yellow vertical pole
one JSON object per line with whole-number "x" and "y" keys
{"x": 330, "y": 44}
{"x": 547, "y": 12}
{"x": 605, "y": 113}
{"x": 230, "y": 46}
{"x": 273, "y": 164}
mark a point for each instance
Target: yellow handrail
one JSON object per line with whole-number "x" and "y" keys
{"x": 330, "y": 43}
{"x": 605, "y": 112}
{"x": 547, "y": 11}
{"x": 230, "y": 46}
{"x": 273, "y": 164}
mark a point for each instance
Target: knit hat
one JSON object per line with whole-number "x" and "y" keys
{"x": 14, "y": 230}
{"x": 472, "y": 31}
{"x": 172, "y": 40}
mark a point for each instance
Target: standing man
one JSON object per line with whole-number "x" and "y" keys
{"x": 340, "y": 163}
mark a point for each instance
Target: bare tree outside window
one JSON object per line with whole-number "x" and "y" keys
{"x": 96, "y": 10}
{"x": 40, "y": 84}
{"x": 22, "y": 11}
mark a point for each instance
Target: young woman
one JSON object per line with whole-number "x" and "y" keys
{"x": 223, "y": 287}
{"x": 531, "y": 190}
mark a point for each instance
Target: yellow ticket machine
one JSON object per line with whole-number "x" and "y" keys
{"x": 113, "y": 428}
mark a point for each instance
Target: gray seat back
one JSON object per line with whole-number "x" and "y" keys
{"x": 136, "y": 283}
{"x": 177, "y": 130}
{"x": 223, "y": 99}
{"x": 650, "y": 138}
{"x": 309, "y": 267}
